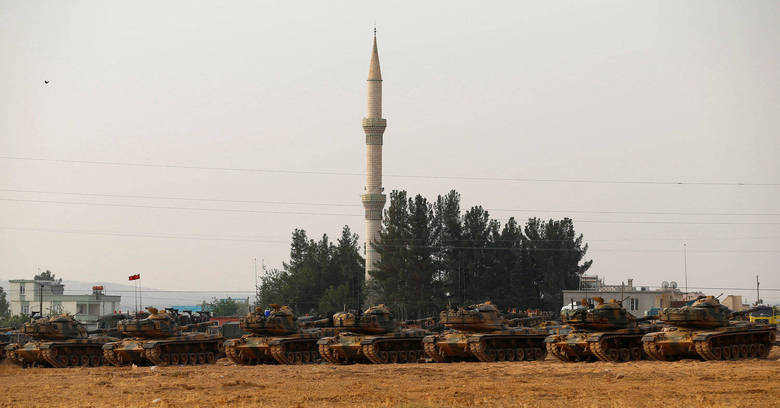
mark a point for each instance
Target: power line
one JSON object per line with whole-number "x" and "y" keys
{"x": 245, "y": 201}
{"x": 448, "y": 247}
{"x": 231, "y": 210}
{"x": 360, "y": 174}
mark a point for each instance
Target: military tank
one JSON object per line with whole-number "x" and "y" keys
{"x": 703, "y": 330}
{"x": 480, "y": 333}
{"x": 604, "y": 331}
{"x": 158, "y": 340}
{"x": 277, "y": 338}
{"x": 373, "y": 336}
{"x": 58, "y": 341}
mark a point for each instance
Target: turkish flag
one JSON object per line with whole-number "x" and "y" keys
{"x": 134, "y": 277}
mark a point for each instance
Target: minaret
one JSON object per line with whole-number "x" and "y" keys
{"x": 374, "y": 127}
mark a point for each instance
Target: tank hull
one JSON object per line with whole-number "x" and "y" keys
{"x": 611, "y": 346}
{"x": 725, "y": 343}
{"x": 504, "y": 345}
{"x": 163, "y": 352}
{"x": 404, "y": 346}
{"x": 58, "y": 354}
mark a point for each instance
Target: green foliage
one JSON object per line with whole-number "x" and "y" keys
{"x": 224, "y": 307}
{"x": 432, "y": 254}
{"x": 14, "y": 321}
{"x": 320, "y": 276}
{"x": 4, "y": 306}
{"x": 46, "y": 275}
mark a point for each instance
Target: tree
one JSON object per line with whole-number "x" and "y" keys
{"x": 319, "y": 276}
{"x": 46, "y": 275}
{"x": 223, "y": 307}
{"x": 4, "y": 306}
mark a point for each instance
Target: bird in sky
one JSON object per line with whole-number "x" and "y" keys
{"x": 45, "y": 81}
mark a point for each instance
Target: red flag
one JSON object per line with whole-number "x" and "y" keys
{"x": 134, "y": 277}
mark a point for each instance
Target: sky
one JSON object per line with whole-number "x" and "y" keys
{"x": 587, "y": 109}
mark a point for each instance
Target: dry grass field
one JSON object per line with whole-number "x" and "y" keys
{"x": 536, "y": 384}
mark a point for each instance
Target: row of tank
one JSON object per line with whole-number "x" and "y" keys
{"x": 601, "y": 331}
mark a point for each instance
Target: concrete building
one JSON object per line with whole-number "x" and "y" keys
{"x": 26, "y": 296}
{"x": 373, "y": 197}
{"x": 637, "y": 300}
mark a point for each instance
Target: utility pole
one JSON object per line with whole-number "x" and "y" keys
{"x": 758, "y": 294}
{"x": 685, "y": 265}
{"x": 40, "y": 307}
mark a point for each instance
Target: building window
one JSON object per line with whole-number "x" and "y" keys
{"x": 633, "y": 304}
{"x": 25, "y": 309}
{"x": 81, "y": 308}
{"x": 21, "y": 289}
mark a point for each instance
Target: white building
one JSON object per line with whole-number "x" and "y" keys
{"x": 27, "y": 296}
{"x": 637, "y": 300}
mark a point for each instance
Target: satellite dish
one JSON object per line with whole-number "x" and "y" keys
{"x": 665, "y": 285}
{"x": 673, "y": 284}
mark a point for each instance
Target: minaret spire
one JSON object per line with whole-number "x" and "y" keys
{"x": 374, "y": 125}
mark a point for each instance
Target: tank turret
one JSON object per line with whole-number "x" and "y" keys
{"x": 61, "y": 327}
{"x": 157, "y": 324}
{"x": 376, "y": 319}
{"x": 603, "y": 316}
{"x": 280, "y": 321}
{"x": 704, "y": 312}
{"x": 475, "y": 318}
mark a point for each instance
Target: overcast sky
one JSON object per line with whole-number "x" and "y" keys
{"x": 588, "y": 90}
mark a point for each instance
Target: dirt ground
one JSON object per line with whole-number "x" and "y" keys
{"x": 752, "y": 383}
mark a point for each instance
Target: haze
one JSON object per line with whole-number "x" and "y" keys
{"x": 653, "y": 91}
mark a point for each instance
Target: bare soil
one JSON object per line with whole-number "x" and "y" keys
{"x": 687, "y": 383}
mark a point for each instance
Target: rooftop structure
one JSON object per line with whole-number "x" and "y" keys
{"x": 28, "y": 296}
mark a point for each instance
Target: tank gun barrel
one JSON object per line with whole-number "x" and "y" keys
{"x": 646, "y": 318}
{"x": 201, "y": 324}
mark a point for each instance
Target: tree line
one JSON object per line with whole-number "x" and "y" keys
{"x": 433, "y": 254}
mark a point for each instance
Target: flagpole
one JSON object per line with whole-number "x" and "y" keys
{"x": 139, "y": 292}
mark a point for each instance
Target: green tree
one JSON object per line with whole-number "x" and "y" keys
{"x": 4, "y": 306}
{"x": 46, "y": 275}
{"x": 224, "y": 307}
{"x": 14, "y": 321}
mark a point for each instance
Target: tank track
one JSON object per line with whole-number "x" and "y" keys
{"x": 555, "y": 352}
{"x": 233, "y": 355}
{"x": 486, "y": 355}
{"x": 327, "y": 353}
{"x": 433, "y": 352}
{"x": 110, "y": 357}
{"x": 612, "y": 354}
{"x": 736, "y": 351}
{"x": 283, "y": 356}
{"x": 375, "y": 355}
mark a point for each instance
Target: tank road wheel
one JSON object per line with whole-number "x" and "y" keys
{"x": 173, "y": 358}
{"x": 183, "y": 358}
{"x": 201, "y": 358}
{"x": 384, "y": 357}
{"x": 726, "y": 353}
{"x": 210, "y": 358}
{"x": 193, "y": 358}
{"x": 613, "y": 354}
{"x": 84, "y": 360}
{"x": 753, "y": 350}
{"x": 306, "y": 357}
{"x": 735, "y": 352}
{"x": 73, "y": 360}
{"x": 625, "y": 354}
{"x": 636, "y": 353}
{"x": 510, "y": 355}
{"x": 743, "y": 351}
{"x": 394, "y": 357}
{"x": 62, "y": 360}
{"x": 95, "y": 360}
{"x": 520, "y": 354}
{"x": 166, "y": 359}
{"x": 763, "y": 350}
{"x": 529, "y": 354}
{"x": 500, "y": 355}
{"x": 540, "y": 354}
{"x": 412, "y": 356}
